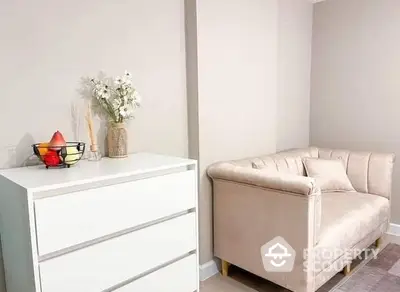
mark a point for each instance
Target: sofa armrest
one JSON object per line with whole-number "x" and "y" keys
{"x": 246, "y": 218}
{"x": 256, "y": 177}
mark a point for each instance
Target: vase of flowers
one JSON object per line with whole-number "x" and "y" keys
{"x": 118, "y": 99}
{"x": 117, "y": 140}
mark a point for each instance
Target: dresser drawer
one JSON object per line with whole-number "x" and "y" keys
{"x": 177, "y": 277}
{"x": 111, "y": 262}
{"x": 67, "y": 220}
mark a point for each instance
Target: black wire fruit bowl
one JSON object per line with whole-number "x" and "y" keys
{"x": 59, "y": 156}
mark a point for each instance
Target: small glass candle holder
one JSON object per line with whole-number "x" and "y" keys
{"x": 94, "y": 154}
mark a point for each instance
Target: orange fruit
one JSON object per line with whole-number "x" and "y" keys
{"x": 43, "y": 148}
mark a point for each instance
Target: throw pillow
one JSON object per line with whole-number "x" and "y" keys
{"x": 330, "y": 174}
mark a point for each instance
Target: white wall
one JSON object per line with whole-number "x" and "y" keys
{"x": 294, "y": 71}
{"x": 355, "y": 98}
{"x": 47, "y": 46}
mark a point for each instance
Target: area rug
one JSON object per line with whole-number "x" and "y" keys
{"x": 378, "y": 275}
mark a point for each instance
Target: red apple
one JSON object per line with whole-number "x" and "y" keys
{"x": 51, "y": 158}
{"x": 57, "y": 141}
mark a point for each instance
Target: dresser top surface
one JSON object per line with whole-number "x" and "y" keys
{"x": 38, "y": 178}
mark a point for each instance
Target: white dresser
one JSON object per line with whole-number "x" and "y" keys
{"x": 123, "y": 225}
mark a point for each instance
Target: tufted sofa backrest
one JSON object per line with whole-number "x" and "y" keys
{"x": 369, "y": 172}
{"x": 288, "y": 161}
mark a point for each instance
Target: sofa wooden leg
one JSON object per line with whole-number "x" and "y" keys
{"x": 225, "y": 267}
{"x": 347, "y": 269}
{"x": 378, "y": 242}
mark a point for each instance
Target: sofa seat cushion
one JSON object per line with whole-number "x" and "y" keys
{"x": 347, "y": 218}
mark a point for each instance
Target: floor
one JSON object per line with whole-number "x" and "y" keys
{"x": 378, "y": 275}
{"x": 241, "y": 281}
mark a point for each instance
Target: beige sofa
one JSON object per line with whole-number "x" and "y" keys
{"x": 326, "y": 230}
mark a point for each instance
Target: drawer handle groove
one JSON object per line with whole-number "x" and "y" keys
{"x": 111, "y": 236}
{"x": 120, "y": 285}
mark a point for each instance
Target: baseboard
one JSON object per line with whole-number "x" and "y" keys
{"x": 394, "y": 229}
{"x": 209, "y": 269}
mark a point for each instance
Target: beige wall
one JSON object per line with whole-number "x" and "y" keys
{"x": 47, "y": 46}
{"x": 355, "y": 98}
{"x": 294, "y": 69}
{"x": 237, "y": 87}
{"x": 252, "y": 67}
{"x": 238, "y": 54}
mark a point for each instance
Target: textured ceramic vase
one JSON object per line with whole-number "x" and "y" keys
{"x": 117, "y": 140}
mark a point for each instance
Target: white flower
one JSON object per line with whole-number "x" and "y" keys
{"x": 130, "y": 89}
{"x": 132, "y": 98}
{"x": 116, "y": 103}
{"x": 136, "y": 99}
{"x": 127, "y": 99}
{"x": 103, "y": 92}
{"x": 118, "y": 81}
{"x": 125, "y": 86}
{"x": 127, "y": 79}
{"x": 127, "y": 82}
{"x": 125, "y": 111}
{"x": 117, "y": 96}
{"x": 98, "y": 88}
